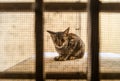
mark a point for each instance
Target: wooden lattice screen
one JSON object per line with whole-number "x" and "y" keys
{"x": 93, "y": 7}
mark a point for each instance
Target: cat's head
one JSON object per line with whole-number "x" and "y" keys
{"x": 59, "y": 38}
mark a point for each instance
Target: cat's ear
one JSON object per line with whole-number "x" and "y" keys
{"x": 51, "y": 32}
{"x": 67, "y": 30}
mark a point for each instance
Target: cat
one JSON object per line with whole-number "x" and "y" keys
{"x": 68, "y": 45}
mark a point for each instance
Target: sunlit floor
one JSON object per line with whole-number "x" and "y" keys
{"x": 108, "y": 63}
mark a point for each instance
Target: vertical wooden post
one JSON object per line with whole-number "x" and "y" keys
{"x": 93, "y": 40}
{"x": 39, "y": 40}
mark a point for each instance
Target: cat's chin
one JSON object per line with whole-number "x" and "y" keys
{"x": 59, "y": 46}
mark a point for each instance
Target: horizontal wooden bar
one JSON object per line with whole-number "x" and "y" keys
{"x": 79, "y": 7}
{"x": 65, "y": 7}
{"x": 16, "y": 75}
{"x": 16, "y": 7}
{"x": 77, "y": 75}
{"x": 80, "y": 75}
{"x": 57, "y": 7}
{"x": 68, "y": 75}
{"x": 110, "y": 76}
{"x": 109, "y": 7}
{"x": 57, "y": 75}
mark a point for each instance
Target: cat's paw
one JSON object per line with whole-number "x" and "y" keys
{"x": 72, "y": 58}
{"x": 56, "y": 58}
{"x": 59, "y": 58}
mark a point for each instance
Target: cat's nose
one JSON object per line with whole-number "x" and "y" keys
{"x": 59, "y": 45}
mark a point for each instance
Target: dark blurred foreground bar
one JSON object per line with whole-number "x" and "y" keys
{"x": 57, "y": 7}
{"x": 65, "y": 7}
{"x": 16, "y": 7}
{"x": 93, "y": 73}
{"x": 13, "y": 75}
{"x": 79, "y": 7}
{"x": 54, "y": 75}
{"x": 39, "y": 65}
{"x": 81, "y": 75}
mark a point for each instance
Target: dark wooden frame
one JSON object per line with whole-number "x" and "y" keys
{"x": 93, "y": 40}
{"x": 38, "y": 7}
{"x": 54, "y": 75}
{"x": 57, "y": 7}
{"x": 39, "y": 40}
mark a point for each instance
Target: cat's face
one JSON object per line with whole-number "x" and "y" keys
{"x": 59, "y": 38}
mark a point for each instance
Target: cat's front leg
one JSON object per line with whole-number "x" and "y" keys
{"x": 59, "y": 58}
{"x": 56, "y": 58}
{"x": 68, "y": 55}
{"x": 66, "y": 58}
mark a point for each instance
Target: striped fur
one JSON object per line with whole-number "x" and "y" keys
{"x": 68, "y": 45}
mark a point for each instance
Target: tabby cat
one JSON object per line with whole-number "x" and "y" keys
{"x": 68, "y": 45}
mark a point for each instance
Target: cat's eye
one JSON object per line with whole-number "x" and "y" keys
{"x": 55, "y": 39}
{"x": 62, "y": 40}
